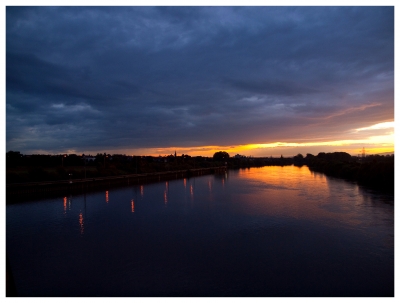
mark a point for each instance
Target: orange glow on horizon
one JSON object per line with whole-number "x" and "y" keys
{"x": 378, "y": 138}
{"x": 379, "y": 144}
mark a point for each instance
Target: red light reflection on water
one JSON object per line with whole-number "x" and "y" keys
{"x": 132, "y": 206}
{"x": 65, "y": 205}
{"x": 166, "y": 193}
{"x": 165, "y": 197}
{"x": 106, "y": 196}
{"x": 81, "y": 222}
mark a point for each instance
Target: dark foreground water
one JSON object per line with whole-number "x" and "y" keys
{"x": 272, "y": 231}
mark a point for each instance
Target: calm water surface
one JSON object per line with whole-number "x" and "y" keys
{"x": 272, "y": 231}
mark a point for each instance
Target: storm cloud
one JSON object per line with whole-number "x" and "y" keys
{"x": 120, "y": 78}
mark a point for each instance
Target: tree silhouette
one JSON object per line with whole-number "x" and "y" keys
{"x": 221, "y": 155}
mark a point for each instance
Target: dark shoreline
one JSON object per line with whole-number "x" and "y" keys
{"x": 374, "y": 172}
{"x": 18, "y": 192}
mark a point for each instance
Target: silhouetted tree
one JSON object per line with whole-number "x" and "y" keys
{"x": 221, "y": 155}
{"x": 298, "y": 160}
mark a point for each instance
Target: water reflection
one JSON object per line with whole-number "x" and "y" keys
{"x": 210, "y": 189}
{"x": 166, "y": 193}
{"x": 65, "y": 205}
{"x": 67, "y": 201}
{"x": 165, "y": 197}
{"x": 295, "y": 192}
{"x": 81, "y": 222}
{"x": 272, "y": 191}
{"x": 287, "y": 226}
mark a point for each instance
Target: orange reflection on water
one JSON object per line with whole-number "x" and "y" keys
{"x": 280, "y": 190}
{"x": 65, "y": 205}
{"x": 107, "y": 196}
{"x": 165, "y": 197}
{"x": 166, "y": 193}
{"x": 141, "y": 190}
{"x": 210, "y": 190}
{"x": 81, "y": 222}
{"x": 132, "y": 205}
{"x": 184, "y": 182}
{"x": 298, "y": 193}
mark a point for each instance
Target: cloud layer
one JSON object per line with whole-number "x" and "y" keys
{"x": 110, "y": 78}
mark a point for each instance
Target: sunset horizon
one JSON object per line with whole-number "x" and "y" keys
{"x": 256, "y": 81}
{"x": 200, "y": 151}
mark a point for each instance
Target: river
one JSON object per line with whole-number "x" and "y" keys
{"x": 270, "y": 231}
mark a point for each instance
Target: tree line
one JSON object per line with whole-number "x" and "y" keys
{"x": 374, "y": 170}
{"x": 36, "y": 168}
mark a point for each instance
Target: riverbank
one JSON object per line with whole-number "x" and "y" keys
{"x": 18, "y": 191}
{"x": 43, "y": 168}
{"x": 27, "y": 175}
{"x": 375, "y": 172}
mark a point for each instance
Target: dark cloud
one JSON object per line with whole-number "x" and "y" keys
{"x": 104, "y": 78}
{"x": 272, "y": 87}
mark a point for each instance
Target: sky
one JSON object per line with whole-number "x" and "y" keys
{"x": 257, "y": 81}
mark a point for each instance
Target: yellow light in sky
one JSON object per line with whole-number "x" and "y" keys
{"x": 382, "y": 141}
{"x": 380, "y": 144}
{"x": 382, "y": 125}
